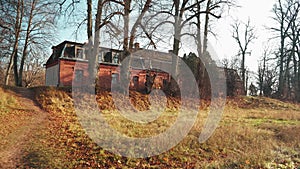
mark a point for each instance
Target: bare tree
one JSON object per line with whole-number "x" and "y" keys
{"x": 19, "y": 75}
{"x": 281, "y": 11}
{"x": 262, "y": 68}
{"x": 30, "y": 25}
{"x": 286, "y": 16}
{"x": 89, "y": 19}
{"x": 270, "y": 80}
{"x": 39, "y": 23}
{"x": 213, "y": 11}
{"x": 34, "y": 74}
{"x": 293, "y": 52}
{"x": 17, "y": 30}
{"x": 243, "y": 36}
{"x": 93, "y": 56}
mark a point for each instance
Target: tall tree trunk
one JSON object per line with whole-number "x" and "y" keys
{"x": 263, "y": 74}
{"x": 298, "y": 77}
{"x": 25, "y": 49}
{"x": 14, "y": 55}
{"x": 93, "y": 60}
{"x": 283, "y": 35}
{"x": 247, "y": 80}
{"x": 281, "y": 67}
{"x": 127, "y": 6}
{"x": 205, "y": 38}
{"x": 295, "y": 80}
{"x": 200, "y": 77}
{"x": 243, "y": 71}
{"x": 89, "y": 19}
{"x": 137, "y": 23}
{"x": 8, "y": 71}
{"x": 177, "y": 35}
{"x": 287, "y": 89}
{"x": 125, "y": 70}
{"x": 201, "y": 67}
{"x": 15, "y": 67}
{"x": 90, "y": 46}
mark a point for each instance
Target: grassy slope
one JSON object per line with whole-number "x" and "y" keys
{"x": 9, "y": 107}
{"x": 22, "y": 134}
{"x": 254, "y": 133}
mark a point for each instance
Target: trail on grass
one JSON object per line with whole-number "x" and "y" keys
{"x": 25, "y": 124}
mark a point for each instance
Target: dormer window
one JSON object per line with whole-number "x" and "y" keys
{"x": 80, "y": 53}
{"x": 108, "y": 57}
{"x": 116, "y": 58}
{"x": 100, "y": 57}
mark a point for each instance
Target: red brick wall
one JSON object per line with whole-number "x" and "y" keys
{"x": 67, "y": 69}
{"x": 158, "y": 82}
{"x": 105, "y": 75}
{"x": 67, "y": 75}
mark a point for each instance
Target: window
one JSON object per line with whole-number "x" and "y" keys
{"x": 108, "y": 57}
{"x": 135, "y": 80}
{"x": 78, "y": 75}
{"x": 165, "y": 82}
{"x": 116, "y": 58}
{"x": 69, "y": 51}
{"x": 115, "y": 78}
{"x": 79, "y": 53}
{"x": 100, "y": 57}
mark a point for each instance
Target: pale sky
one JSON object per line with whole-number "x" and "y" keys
{"x": 259, "y": 13}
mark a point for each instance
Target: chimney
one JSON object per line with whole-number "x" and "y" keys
{"x": 136, "y": 45}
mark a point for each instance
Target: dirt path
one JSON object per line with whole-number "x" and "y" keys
{"x": 25, "y": 126}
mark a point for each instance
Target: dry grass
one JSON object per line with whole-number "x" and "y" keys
{"x": 253, "y": 133}
{"x": 12, "y": 114}
{"x": 244, "y": 139}
{"x": 7, "y": 102}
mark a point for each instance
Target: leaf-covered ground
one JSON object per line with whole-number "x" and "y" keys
{"x": 20, "y": 121}
{"x": 254, "y": 132}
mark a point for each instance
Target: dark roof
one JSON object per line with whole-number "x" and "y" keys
{"x": 57, "y": 50}
{"x": 149, "y": 59}
{"x": 156, "y": 57}
{"x": 70, "y": 42}
{"x": 153, "y": 55}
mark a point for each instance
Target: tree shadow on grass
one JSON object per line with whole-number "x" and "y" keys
{"x": 35, "y": 159}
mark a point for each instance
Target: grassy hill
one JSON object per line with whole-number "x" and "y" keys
{"x": 255, "y": 132}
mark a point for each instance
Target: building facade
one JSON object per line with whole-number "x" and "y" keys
{"x": 68, "y": 66}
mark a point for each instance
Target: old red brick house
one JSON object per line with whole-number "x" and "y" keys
{"x": 68, "y": 65}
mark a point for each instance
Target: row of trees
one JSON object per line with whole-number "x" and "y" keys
{"x": 287, "y": 56}
{"x": 279, "y": 68}
{"x": 27, "y": 29}
{"x": 154, "y": 22}
{"x": 151, "y": 22}
{"x": 278, "y": 72}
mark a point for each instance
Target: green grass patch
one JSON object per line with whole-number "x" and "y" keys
{"x": 260, "y": 121}
{"x": 8, "y": 102}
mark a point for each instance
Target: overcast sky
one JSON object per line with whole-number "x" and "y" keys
{"x": 259, "y": 13}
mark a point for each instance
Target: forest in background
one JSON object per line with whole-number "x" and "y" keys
{"x": 29, "y": 28}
